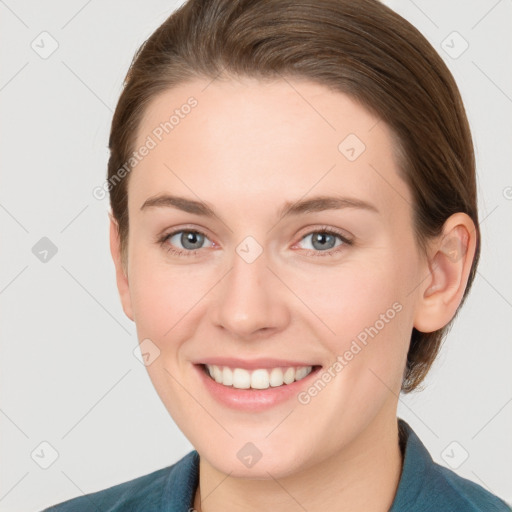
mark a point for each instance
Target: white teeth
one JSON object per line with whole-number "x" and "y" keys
{"x": 257, "y": 379}
{"x": 289, "y": 375}
{"x": 301, "y": 373}
{"x": 241, "y": 378}
{"x": 276, "y": 377}
{"x": 260, "y": 379}
{"x": 227, "y": 376}
{"x": 217, "y": 374}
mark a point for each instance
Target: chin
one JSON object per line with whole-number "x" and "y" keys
{"x": 246, "y": 460}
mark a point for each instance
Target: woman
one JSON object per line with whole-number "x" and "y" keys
{"x": 294, "y": 227}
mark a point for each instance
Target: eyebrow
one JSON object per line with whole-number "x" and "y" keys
{"x": 290, "y": 208}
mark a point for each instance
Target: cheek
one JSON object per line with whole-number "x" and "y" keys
{"x": 162, "y": 296}
{"x": 366, "y": 319}
{"x": 353, "y": 296}
{"x": 166, "y": 303}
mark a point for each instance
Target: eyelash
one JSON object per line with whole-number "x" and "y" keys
{"x": 310, "y": 252}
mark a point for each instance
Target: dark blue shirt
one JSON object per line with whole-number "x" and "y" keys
{"x": 424, "y": 486}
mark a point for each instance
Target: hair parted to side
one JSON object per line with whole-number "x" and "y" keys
{"x": 359, "y": 48}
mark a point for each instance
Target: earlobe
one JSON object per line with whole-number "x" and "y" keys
{"x": 121, "y": 273}
{"x": 449, "y": 266}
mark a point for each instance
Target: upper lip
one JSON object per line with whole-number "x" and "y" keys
{"x": 252, "y": 364}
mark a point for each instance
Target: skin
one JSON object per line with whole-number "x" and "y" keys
{"x": 246, "y": 148}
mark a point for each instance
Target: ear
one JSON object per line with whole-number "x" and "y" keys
{"x": 448, "y": 267}
{"x": 121, "y": 273}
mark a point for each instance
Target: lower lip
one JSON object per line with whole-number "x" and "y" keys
{"x": 254, "y": 399}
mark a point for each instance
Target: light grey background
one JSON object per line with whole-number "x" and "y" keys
{"x": 68, "y": 373}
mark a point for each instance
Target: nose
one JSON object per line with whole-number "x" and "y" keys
{"x": 250, "y": 300}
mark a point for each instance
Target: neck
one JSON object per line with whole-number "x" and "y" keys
{"x": 360, "y": 477}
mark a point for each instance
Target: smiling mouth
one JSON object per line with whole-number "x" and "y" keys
{"x": 260, "y": 379}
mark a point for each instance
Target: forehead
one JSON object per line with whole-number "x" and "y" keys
{"x": 263, "y": 141}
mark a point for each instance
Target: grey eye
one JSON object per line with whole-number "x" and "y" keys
{"x": 189, "y": 240}
{"x": 323, "y": 240}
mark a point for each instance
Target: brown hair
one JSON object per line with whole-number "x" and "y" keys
{"x": 360, "y": 48}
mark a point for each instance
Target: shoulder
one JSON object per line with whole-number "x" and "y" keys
{"x": 459, "y": 493}
{"x": 148, "y": 492}
{"x": 427, "y": 486}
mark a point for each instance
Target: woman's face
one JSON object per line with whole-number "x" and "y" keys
{"x": 259, "y": 284}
